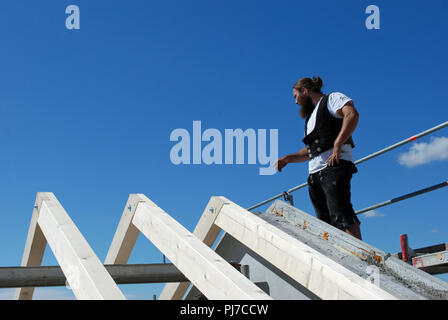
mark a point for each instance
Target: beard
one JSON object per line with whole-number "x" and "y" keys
{"x": 307, "y": 108}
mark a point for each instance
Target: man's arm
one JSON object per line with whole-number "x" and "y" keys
{"x": 300, "y": 156}
{"x": 350, "y": 121}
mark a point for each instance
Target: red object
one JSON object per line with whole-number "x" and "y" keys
{"x": 404, "y": 247}
{"x": 413, "y": 138}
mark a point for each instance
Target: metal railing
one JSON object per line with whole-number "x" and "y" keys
{"x": 373, "y": 155}
{"x": 406, "y": 196}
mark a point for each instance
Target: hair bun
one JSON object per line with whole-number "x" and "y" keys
{"x": 314, "y": 84}
{"x": 317, "y": 84}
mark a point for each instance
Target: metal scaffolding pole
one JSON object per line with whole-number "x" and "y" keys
{"x": 48, "y": 276}
{"x": 406, "y": 196}
{"x": 373, "y": 155}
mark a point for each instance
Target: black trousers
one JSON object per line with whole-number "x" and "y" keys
{"x": 329, "y": 190}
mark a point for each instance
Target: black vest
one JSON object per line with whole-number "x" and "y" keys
{"x": 325, "y": 131}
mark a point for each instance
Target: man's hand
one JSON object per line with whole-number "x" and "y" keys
{"x": 300, "y": 156}
{"x": 281, "y": 163}
{"x": 335, "y": 155}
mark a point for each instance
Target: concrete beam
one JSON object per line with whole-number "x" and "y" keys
{"x": 313, "y": 270}
{"x": 340, "y": 240}
{"x": 411, "y": 282}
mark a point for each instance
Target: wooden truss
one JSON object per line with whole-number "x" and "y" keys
{"x": 190, "y": 253}
{"x": 210, "y": 273}
{"x": 88, "y": 277}
{"x": 318, "y": 273}
{"x": 83, "y": 270}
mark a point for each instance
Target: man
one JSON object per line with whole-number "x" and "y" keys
{"x": 330, "y": 122}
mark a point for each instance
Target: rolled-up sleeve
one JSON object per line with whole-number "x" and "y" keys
{"x": 336, "y": 101}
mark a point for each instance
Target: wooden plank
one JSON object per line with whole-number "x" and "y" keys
{"x": 211, "y": 274}
{"x": 436, "y": 269}
{"x": 432, "y": 249}
{"x": 426, "y": 250}
{"x": 34, "y": 247}
{"x": 126, "y": 234}
{"x": 321, "y": 275}
{"x": 207, "y": 232}
{"x": 430, "y": 259}
{"x": 85, "y": 273}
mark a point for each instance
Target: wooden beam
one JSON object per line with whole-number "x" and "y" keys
{"x": 436, "y": 269}
{"x": 85, "y": 273}
{"x": 210, "y": 273}
{"x": 126, "y": 234}
{"x": 34, "y": 247}
{"x": 321, "y": 275}
{"x": 207, "y": 232}
{"x": 427, "y": 261}
{"x": 426, "y": 250}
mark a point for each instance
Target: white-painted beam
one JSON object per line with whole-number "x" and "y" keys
{"x": 321, "y": 275}
{"x": 85, "y": 273}
{"x": 126, "y": 234}
{"x": 207, "y": 232}
{"x": 34, "y": 247}
{"x": 210, "y": 273}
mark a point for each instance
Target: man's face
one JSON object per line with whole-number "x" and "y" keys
{"x": 304, "y": 100}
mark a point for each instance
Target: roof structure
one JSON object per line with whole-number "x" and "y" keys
{"x": 283, "y": 251}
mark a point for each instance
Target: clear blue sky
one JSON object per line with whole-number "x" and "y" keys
{"x": 87, "y": 114}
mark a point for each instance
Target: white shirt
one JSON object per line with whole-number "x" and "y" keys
{"x": 336, "y": 101}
